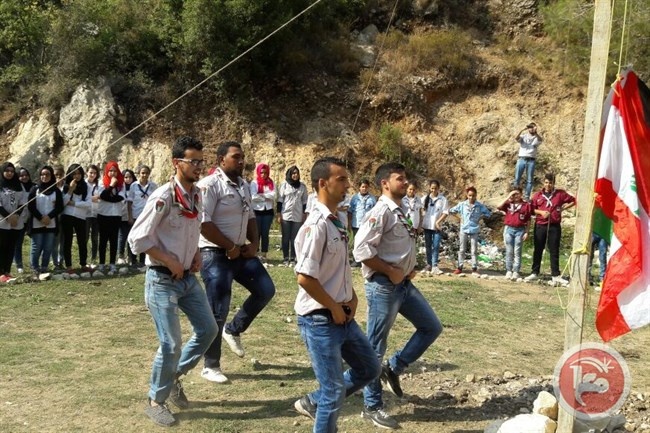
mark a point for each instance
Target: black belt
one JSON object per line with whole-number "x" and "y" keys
{"x": 165, "y": 270}
{"x": 527, "y": 158}
{"x": 327, "y": 312}
{"x": 213, "y": 250}
{"x": 377, "y": 274}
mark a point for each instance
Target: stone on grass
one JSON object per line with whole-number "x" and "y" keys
{"x": 85, "y": 275}
{"x": 123, "y": 271}
{"x": 55, "y": 277}
{"x": 546, "y": 404}
{"x": 528, "y": 423}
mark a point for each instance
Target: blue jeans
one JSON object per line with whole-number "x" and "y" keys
{"x": 163, "y": 297}
{"x": 289, "y": 233}
{"x": 527, "y": 164}
{"x": 264, "y": 221}
{"x": 432, "y": 246}
{"x": 328, "y": 344}
{"x": 512, "y": 238}
{"x": 42, "y": 245}
{"x": 385, "y": 301}
{"x": 601, "y": 244}
{"x": 18, "y": 252}
{"x": 218, "y": 272}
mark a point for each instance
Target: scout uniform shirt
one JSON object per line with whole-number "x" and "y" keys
{"x": 226, "y": 204}
{"x": 433, "y": 209}
{"x": 385, "y": 233}
{"x": 167, "y": 224}
{"x": 551, "y": 202}
{"x": 321, "y": 253}
{"x": 293, "y": 200}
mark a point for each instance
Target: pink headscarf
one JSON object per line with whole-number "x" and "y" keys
{"x": 261, "y": 183}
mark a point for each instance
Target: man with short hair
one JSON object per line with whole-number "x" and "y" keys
{"x": 326, "y": 303}
{"x": 141, "y": 189}
{"x": 385, "y": 245}
{"x": 227, "y": 221}
{"x": 168, "y": 232}
{"x": 529, "y": 140}
{"x": 548, "y": 205}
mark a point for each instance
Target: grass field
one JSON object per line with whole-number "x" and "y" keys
{"x": 76, "y": 355}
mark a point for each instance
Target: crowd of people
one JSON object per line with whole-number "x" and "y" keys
{"x": 218, "y": 225}
{"x": 64, "y": 204}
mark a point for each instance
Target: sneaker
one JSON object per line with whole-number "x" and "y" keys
{"x": 121, "y": 261}
{"x": 426, "y": 269}
{"x": 20, "y": 270}
{"x": 531, "y": 277}
{"x": 213, "y": 375}
{"x": 178, "y": 397}
{"x": 436, "y": 271}
{"x": 508, "y": 275}
{"x": 285, "y": 264}
{"x": 391, "y": 379}
{"x": 559, "y": 280}
{"x": 515, "y": 276}
{"x": 598, "y": 287}
{"x": 380, "y": 418}
{"x": 4, "y": 279}
{"x": 234, "y": 342}
{"x": 475, "y": 273}
{"x": 304, "y": 406}
{"x": 458, "y": 271}
{"x": 160, "y": 414}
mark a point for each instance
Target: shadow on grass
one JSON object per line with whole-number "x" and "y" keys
{"x": 450, "y": 408}
{"x": 252, "y": 409}
{"x": 299, "y": 373}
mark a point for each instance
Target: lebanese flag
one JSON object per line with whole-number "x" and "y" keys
{"x": 622, "y": 208}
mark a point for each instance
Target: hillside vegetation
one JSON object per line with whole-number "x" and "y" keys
{"x": 453, "y": 81}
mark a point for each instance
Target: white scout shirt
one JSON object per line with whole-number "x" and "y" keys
{"x": 162, "y": 225}
{"x": 383, "y": 235}
{"x": 412, "y": 207}
{"x": 293, "y": 201}
{"x": 226, "y": 204}
{"x": 433, "y": 210}
{"x": 139, "y": 194}
{"x": 322, "y": 253}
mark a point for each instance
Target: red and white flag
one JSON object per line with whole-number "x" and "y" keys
{"x": 622, "y": 209}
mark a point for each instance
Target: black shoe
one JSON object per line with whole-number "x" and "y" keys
{"x": 305, "y": 407}
{"x": 177, "y": 396}
{"x": 160, "y": 414}
{"x": 380, "y": 418}
{"x": 391, "y": 379}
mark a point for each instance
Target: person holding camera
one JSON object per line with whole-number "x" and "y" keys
{"x": 529, "y": 140}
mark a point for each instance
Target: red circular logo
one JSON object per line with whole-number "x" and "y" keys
{"x": 591, "y": 381}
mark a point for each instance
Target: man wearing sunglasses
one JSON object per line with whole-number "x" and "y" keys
{"x": 228, "y": 243}
{"x": 385, "y": 245}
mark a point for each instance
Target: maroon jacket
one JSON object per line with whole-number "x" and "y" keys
{"x": 517, "y": 214}
{"x": 553, "y": 204}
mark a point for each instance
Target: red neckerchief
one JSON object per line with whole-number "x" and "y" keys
{"x": 179, "y": 200}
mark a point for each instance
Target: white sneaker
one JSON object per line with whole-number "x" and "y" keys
{"x": 515, "y": 276}
{"x": 531, "y": 277}
{"x": 20, "y": 270}
{"x": 436, "y": 271}
{"x": 213, "y": 375}
{"x": 559, "y": 280}
{"x": 234, "y": 342}
{"x": 426, "y": 269}
{"x": 508, "y": 275}
{"x": 121, "y": 261}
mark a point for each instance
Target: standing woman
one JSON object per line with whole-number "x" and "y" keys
{"x": 92, "y": 229}
{"x": 292, "y": 202}
{"x": 11, "y": 200}
{"x": 127, "y": 219}
{"x": 26, "y": 183}
{"x": 45, "y": 203}
{"x": 263, "y": 198}
{"x": 109, "y": 214}
{"x": 76, "y": 207}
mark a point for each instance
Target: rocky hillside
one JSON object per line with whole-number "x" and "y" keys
{"x": 457, "y": 127}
